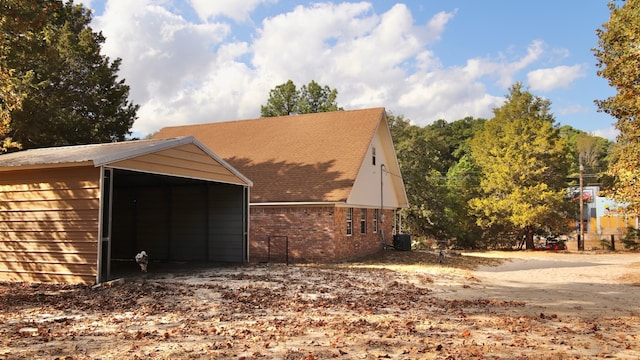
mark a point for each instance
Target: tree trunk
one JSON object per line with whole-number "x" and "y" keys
{"x": 529, "y": 238}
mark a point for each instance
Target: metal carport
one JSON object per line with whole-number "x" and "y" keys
{"x": 66, "y": 212}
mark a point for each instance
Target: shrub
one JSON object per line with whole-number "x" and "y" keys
{"x": 631, "y": 239}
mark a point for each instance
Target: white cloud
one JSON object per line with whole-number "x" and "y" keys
{"x": 166, "y": 58}
{"x": 610, "y": 133}
{"x": 507, "y": 69}
{"x": 365, "y": 56}
{"x": 553, "y": 78}
{"x": 236, "y": 10}
{"x": 572, "y": 109}
{"x": 86, "y": 3}
{"x": 184, "y": 72}
{"x": 446, "y": 94}
{"x": 438, "y": 22}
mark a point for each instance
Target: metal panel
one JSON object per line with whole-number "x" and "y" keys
{"x": 226, "y": 223}
{"x": 181, "y": 221}
{"x": 49, "y": 224}
{"x": 152, "y": 227}
{"x": 188, "y": 239}
{"x": 123, "y": 234}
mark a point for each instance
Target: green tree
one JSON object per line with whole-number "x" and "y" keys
{"x": 18, "y": 19}
{"x": 618, "y": 61}
{"x": 57, "y": 87}
{"x": 440, "y": 177}
{"x": 523, "y": 166}
{"x": 314, "y": 98}
{"x": 420, "y": 154}
{"x": 286, "y": 99}
{"x": 283, "y": 100}
{"x": 595, "y": 152}
{"x": 463, "y": 184}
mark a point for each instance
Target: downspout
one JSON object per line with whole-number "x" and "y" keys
{"x": 381, "y": 215}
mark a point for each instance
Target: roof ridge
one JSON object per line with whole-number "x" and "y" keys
{"x": 272, "y": 118}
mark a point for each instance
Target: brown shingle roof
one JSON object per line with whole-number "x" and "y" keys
{"x": 297, "y": 158}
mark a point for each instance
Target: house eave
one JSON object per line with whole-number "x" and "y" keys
{"x": 295, "y": 203}
{"x": 321, "y": 203}
{"x": 46, "y": 166}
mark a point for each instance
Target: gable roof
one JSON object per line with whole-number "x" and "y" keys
{"x": 118, "y": 153}
{"x": 296, "y": 158}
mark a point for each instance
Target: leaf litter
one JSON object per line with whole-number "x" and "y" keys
{"x": 395, "y": 305}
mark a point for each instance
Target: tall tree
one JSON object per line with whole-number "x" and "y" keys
{"x": 283, "y": 100}
{"x": 286, "y": 99}
{"x": 420, "y": 155}
{"x": 18, "y": 42}
{"x": 463, "y": 184}
{"x": 57, "y": 88}
{"x": 595, "y": 152}
{"x": 440, "y": 178}
{"x": 618, "y": 61}
{"x": 315, "y": 98}
{"x": 523, "y": 167}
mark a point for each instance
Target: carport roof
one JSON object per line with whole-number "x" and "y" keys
{"x": 102, "y": 154}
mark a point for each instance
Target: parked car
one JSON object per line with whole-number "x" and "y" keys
{"x": 551, "y": 243}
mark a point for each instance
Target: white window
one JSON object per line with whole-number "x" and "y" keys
{"x": 373, "y": 156}
{"x": 349, "y": 221}
{"x": 363, "y": 221}
{"x": 375, "y": 220}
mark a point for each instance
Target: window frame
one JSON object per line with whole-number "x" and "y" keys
{"x": 373, "y": 155}
{"x": 375, "y": 220}
{"x": 349, "y": 221}
{"x": 363, "y": 221}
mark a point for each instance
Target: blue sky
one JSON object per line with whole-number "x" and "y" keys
{"x": 194, "y": 61}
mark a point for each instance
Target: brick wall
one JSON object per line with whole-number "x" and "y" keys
{"x": 307, "y": 232}
{"x": 358, "y": 244}
{"x": 312, "y": 234}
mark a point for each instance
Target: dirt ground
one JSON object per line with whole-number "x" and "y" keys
{"x": 396, "y": 305}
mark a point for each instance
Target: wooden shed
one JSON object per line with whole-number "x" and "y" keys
{"x": 68, "y": 213}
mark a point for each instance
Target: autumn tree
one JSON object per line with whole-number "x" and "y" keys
{"x": 594, "y": 151}
{"x": 523, "y": 167}
{"x": 286, "y": 99}
{"x": 56, "y": 87}
{"x": 618, "y": 61}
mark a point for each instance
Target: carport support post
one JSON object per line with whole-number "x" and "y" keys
{"x": 104, "y": 238}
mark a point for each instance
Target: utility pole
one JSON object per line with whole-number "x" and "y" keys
{"x": 581, "y": 233}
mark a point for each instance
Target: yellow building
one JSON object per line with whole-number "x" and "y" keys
{"x": 604, "y": 222}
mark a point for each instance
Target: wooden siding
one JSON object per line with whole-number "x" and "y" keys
{"x": 49, "y": 224}
{"x": 185, "y": 161}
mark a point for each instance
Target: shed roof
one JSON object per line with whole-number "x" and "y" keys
{"x": 102, "y": 154}
{"x": 298, "y": 158}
